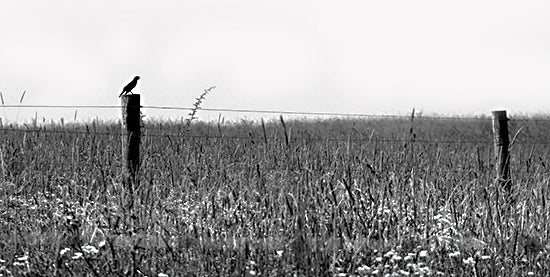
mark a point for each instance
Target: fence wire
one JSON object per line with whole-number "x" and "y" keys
{"x": 281, "y": 112}
{"x": 146, "y": 134}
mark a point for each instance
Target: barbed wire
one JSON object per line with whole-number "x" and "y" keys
{"x": 146, "y": 134}
{"x": 281, "y": 112}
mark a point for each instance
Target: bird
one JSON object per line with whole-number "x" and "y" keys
{"x": 129, "y": 87}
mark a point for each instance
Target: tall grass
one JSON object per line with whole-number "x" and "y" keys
{"x": 282, "y": 198}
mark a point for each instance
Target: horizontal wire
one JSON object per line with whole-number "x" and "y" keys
{"x": 172, "y": 135}
{"x": 259, "y": 111}
{"x": 316, "y": 113}
{"x": 63, "y": 106}
{"x": 418, "y": 117}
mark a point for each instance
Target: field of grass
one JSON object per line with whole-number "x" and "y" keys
{"x": 334, "y": 197}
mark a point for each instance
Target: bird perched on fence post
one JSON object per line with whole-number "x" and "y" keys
{"x": 129, "y": 87}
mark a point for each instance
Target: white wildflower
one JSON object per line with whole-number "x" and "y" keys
{"x": 90, "y": 249}
{"x": 469, "y": 261}
{"x": 485, "y": 257}
{"x": 364, "y": 270}
{"x": 409, "y": 257}
{"x": 77, "y": 256}
{"x": 19, "y": 264}
{"x": 162, "y": 275}
{"x": 64, "y": 251}
{"x": 101, "y": 244}
{"x": 396, "y": 258}
{"x": 425, "y": 270}
{"x": 454, "y": 254}
{"x": 389, "y": 254}
{"x": 423, "y": 254}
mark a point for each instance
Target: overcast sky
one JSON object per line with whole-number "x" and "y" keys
{"x": 453, "y": 57}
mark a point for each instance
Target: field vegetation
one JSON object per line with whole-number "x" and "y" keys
{"x": 317, "y": 197}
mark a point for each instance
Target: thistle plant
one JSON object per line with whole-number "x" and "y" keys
{"x": 196, "y": 106}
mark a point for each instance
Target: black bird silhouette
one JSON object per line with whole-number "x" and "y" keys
{"x": 130, "y": 86}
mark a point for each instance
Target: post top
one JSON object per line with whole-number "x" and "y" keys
{"x": 499, "y": 115}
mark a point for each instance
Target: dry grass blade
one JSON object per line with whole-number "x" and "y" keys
{"x": 20, "y": 102}
{"x": 4, "y": 108}
{"x": 22, "y": 96}
{"x": 287, "y": 137}
{"x": 515, "y": 137}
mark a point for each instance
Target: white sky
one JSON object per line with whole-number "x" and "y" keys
{"x": 454, "y": 57}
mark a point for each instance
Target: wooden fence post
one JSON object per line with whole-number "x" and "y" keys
{"x": 502, "y": 141}
{"x": 131, "y": 133}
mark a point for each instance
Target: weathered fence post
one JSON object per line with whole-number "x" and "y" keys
{"x": 502, "y": 141}
{"x": 131, "y": 133}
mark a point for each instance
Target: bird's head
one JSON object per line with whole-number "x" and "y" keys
{"x": 136, "y": 78}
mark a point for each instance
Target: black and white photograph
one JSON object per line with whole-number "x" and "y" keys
{"x": 274, "y": 138}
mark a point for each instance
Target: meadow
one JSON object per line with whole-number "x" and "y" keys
{"x": 301, "y": 197}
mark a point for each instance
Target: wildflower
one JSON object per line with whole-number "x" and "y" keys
{"x": 23, "y": 258}
{"x": 425, "y": 270}
{"x": 389, "y": 254}
{"x": 423, "y": 254}
{"x": 89, "y": 249}
{"x": 469, "y": 261}
{"x": 454, "y": 254}
{"x": 364, "y": 270}
{"x": 64, "y": 251}
{"x": 530, "y": 273}
{"x": 77, "y": 256}
{"x": 101, "y": 244}
{"x": 409, "y": 256}
{"x": 524, "y": 260}
{"x": 162, "y": 275}
{"x": 396, "y": 258}
{"x": 485, "y": 257}
{"x": 19, "y": 264}
{"x": 378, "y": 259}
{"x": 252, "y": 272}
{"x": 280, "y": 253}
